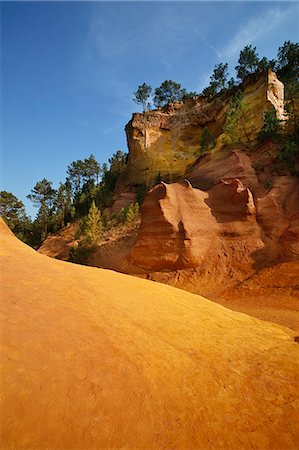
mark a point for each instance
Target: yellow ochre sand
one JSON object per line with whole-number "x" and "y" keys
{"x": 93, "y": 359}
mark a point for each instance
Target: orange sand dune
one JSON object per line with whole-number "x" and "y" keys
{"x": 93, "y": 359}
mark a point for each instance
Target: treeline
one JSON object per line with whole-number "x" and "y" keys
{"x": 286, "y": 65}
{"x": 87, "y": 182}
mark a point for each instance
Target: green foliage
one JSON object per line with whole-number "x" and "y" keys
{"x": 118, "y": 162}
{"x": 75, "y": 175}
{"x": 288, "y": 62}
{"x": 257, "y": 166}
{"x": 93, "y": 228}
{"x": 265, "y": 64}
{"x": 271, "y": 127}
{"x": 128, "y": 214}
{"x": 11, "y": 209}
{"x": 103, "y": 195}
{"x": 63, "y": 203}
{"x": 92, "y": 170}
{"x": 268, "y": 184}
{"x": 234, "y": 125}
{"x": 292, "y": 95}
{"x": 89, "y": 234}
{"x": 13, "y": 213}
{"x": 168, "y": 92}
{"x": 140, "y": 193}
{"x": 83, "y": 171}
{"x": 288, "y": 72}
{"x": 188, "y": 95}
{"x": 286, "y": 158}
{"x": 231, "y": 83}
{"x": 43, "y": 196}
{"x": 81, "y": 253}
{"x": 142, "y": 95}
{"x": 82, "y": 203}
{"x": 207, "y": 141}
{"x": 248, "y": 62}
{"x": 218, "y": 80}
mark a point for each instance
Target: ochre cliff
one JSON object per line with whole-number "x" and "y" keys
{"x": 163, "y": 143}
{"x": 229, "y": 229}
{"x": 229, "y": 217}
{"x": 183, "y": 228}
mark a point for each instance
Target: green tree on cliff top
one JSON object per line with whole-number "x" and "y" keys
{"x": 169, "y": 91}
{"x": 218, "y": 80}
{"x": 142, "y": 95}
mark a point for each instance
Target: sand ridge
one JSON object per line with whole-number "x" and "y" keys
{"x": 93, "y": 359}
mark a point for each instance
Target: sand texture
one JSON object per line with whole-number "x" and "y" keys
{"x": 93, "y": 359}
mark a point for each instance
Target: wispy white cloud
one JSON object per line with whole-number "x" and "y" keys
{"x": 162, "y": 31}
{"x": 256, "y": 29}
{"x": 207, "y": 43}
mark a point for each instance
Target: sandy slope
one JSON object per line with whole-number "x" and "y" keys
{"x": 93, "y": 359}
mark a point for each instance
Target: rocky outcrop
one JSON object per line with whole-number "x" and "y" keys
{"x": 224, "y": 233}
{"x": 171, "y": 234}
{"x": 223, "y": 164}
{"x": 58, "y": 245}
{"x": 123, "y": 200}
{"x": 165, "y": 142}
{"x": 183, "y": 228}
{"x": 278, "y": 215}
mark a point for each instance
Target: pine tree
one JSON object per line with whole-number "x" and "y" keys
{"x": 168, "y": 92}
{"x": 43, "y": 196}
{"x": 142, "y": 95}
{"x": 235, "y": 119}
{"x": 93, "y": 226}
{"x": 12, "y": 210}
{"x": 218, "y": 80}
{"x": 207, "y": 141}
{"x": 63, "y": 204}
{"x": 248, "y": 62}
{"x": 271, "y": 126}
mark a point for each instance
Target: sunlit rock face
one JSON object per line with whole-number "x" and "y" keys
{"x": 183, "y": 227}
{"x": 278, "y": 215}
{"x": 163, "y": 143}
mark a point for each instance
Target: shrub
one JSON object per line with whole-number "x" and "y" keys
{"x": 268, "y": 184}
{"x": 207, "y": 141}
{"x": 286, "y": 158}
{"x": 128, "y": 214}
{"x": 81, "y": 253}
{"x": 140, "y": 193}
{"x": 257, "y": 166}
{"x": 271, "y": 127}
{"x": 93, "y": 225}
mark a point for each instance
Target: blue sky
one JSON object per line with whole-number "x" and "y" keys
{"x": 69, "y": 70}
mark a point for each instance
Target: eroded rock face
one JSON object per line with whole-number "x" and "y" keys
{"x": 122, "y": 201}
{"x": 185, "y": 228}
{"x": 223, "y": 164}
{"x": 278, "y": 215}
{"x": 165, "y": 143}
{"x": 224, "y": 234}
{"x": 58, "y": 245}
{"x": 175, "y": 223}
